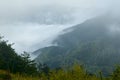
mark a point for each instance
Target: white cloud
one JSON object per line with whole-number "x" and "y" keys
{"x": 19, "y": 19}
{"x": 12, "y": 10}
{"x": 29, "y": 37}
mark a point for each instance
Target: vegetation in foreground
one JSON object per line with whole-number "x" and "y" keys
{"x": 76, "y": 73}
{"x": 20, "y": 67}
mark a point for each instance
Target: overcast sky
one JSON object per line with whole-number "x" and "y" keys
{"x": 20, "y": 19}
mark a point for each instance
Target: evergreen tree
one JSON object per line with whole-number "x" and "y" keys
{"x": 11, "y": 61}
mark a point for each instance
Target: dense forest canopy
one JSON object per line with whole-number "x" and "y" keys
{"x": 11, "y": 61}
{"x": 95, "y": 43}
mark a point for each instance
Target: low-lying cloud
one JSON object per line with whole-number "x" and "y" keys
{"x": 32, "y": 24}
{"x": 29, "y": 37}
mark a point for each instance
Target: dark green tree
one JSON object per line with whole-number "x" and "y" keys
{"x": 116, "y": 74}
{"x": 12, "y": 62}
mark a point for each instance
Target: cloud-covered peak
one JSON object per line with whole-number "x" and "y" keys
{"x": 27, "y": 23}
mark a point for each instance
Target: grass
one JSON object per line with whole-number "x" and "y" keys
{"x": 76, "y": 73}
{"x": 4, "y": 75}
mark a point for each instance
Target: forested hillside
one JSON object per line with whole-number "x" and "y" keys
{"x": 11, "y": 61}
{"x": 94, "y": 44}
{"x": 20, "y": 67}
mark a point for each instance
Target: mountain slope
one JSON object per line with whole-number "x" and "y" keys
{"x": 94, "y": 43}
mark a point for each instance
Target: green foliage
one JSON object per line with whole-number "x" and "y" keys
{"x": 11, "y": 61}
{"x": 94, "y": 55}
{"x": 43, "y": 68}
{"x": 90, "y": 43}
{"x": 29, "y": 65}
{"x": 5, "y": 75}
{"x": 77, "y": 72}
{"x": 116, "y": 73}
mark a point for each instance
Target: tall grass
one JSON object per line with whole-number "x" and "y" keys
{"x": 75, "y": 73}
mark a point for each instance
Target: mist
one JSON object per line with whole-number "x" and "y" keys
{"x": 35, "y": 24}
